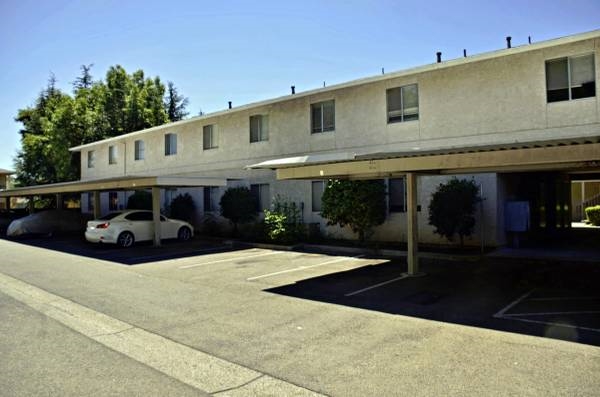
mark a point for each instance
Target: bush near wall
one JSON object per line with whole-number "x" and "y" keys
{"x": 593, "y": 215}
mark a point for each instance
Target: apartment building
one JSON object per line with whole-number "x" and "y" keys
{"x": 540, "y": 95}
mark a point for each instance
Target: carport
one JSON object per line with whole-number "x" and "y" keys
{"x": 574, "y": 156}
{"x": 155, "y": 183}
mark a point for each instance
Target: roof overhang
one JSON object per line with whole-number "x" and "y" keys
{"x": 559, "y": 156}
{"x": 120, "y": 183}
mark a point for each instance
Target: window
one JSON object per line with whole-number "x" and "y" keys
{"x": 570, "y": 78}
{"x": 322, "y": 116}
{"x": 318, "y": 187}
{"x": 112, "y": 155}
{"x": 140, "y": 216}
{"x": 169, "y": 196}
{"x": 209, "y": 137}
{"x": 397, "y": 194}
{"x": 259, "y": 128}
{"x": 91, "y": 158}
{"x": 90, "y": 202}
{"x": 140, "y": 149}
{"x": 403, "y": 104}
{"x": 261, "y": 192}
{"x": 113, "y": 201}
{"x": 170, "y": 144}
{"x": 211, "y": 199}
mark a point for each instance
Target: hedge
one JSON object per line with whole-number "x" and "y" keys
{"x": 593, "y": 215}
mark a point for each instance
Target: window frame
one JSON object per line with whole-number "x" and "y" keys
{"x": 112, "y": 155}
{"x": 256, "y": 189}
{"x": 393, "y": 208}
{"x": 570, "y": 86}
{"x": 209, "y": 204}
{"x": 321, "y": 106}
{"x": 139, "y": 150}
{"x": 91, "y": 158}
{"x": 313, "y": 207}
{"x": 170, "y": 144}
{"x": 403, "y": 108}
{"x": 262, "y": 135}
{"x": 213, "y": 139}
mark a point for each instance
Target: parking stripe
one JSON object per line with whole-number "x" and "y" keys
{"x": 231, "y": 259}
{"x": 500, "y": 314}
{"x": 525, "y": 320}
{"x": 377, "y": 285}
{"x": 303, "y": 267}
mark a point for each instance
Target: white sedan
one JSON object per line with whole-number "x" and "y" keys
{"x": 127, "y": 227}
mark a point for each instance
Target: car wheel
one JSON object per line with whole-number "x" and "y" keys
{"x": 184, "y": 234}
{"x": 125, "y": 239}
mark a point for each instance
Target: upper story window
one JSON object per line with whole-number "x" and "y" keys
{"x": 262, "y": 195}
{"x": 259, "y": 128}
{"x": 322, "y": 116}
{"x": 570, "y": 78}
{"x": 140, "y": 150}
{"x": 210, "y": 139}
{"x": 170, "y": 144}
{"x": 403, "y": 103}
{"x": 91, "y": 159}
{"x": 397, "y": 194}
{"x": 112, "y": 155}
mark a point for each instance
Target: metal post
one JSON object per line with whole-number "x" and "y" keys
{"x": 31, "y": 205}
{"x": 97, "y": 212}
{"x": 156, "y": 214}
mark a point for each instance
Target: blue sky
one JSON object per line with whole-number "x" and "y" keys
{"x": 244, "y": 51}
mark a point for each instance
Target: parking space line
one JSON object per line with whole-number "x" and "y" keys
{"x": 303, "y": 267}
{"x": 500, "y": 313}
{"x": 377, "y": 285}
{"x": 167, "y": 254}
{"x": 552, "y": 313}
{"x": 232, "y": 259}
{"x": 525, "y": 320}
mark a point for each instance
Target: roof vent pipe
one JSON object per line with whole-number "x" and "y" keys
{"x": 529, "y": 39}
{"x": 229, "y": 104}
{"x": 439, "y": 56}
{"x": 508, "y": 38}
{"x": 465, "y": 53}
{"x": 293, "y": 89}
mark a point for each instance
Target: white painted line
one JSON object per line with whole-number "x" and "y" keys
{"x": 524, "y": 320}
{"x": 183, "y": 363}
{"x": 304, "y": 267}
{"x": 377, "y": 285}
{"x": 551, "y": 313}
{"x": 167, "y": 254}
{"x": 567, "y": 298}
{"x": 233, "y": 259}
{"x": 512, "y": 304}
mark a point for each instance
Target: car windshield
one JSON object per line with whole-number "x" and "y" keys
{"x": 110, "y": 216}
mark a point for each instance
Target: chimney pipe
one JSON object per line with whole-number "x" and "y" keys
{"x": 229, "y": 104}
{"x": 293, "y": 89}
{"x": 508, "y": 38}
{"x": 465, "y": 53}
{"x": 439, "y": 56}
{"x": 529, "y": 39}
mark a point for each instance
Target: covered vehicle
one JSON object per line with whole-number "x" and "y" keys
{"x": 47, "y": 222}
{"x": 127, "y": 227}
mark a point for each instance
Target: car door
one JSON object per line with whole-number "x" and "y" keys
{"x": 141, "y": 225}
{"x": 168, "y": 228}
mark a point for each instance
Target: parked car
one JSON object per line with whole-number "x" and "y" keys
{"x": 127, "y": 227}
{"x": 47, "y": 222}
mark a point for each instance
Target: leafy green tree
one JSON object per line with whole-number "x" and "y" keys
{"x": 140, "y": 200}
{"x": 238, "y": 205}
{"x": 182, "y": 207}
{"x": 358, "y": 204}
{"x": 175, "y": 103}
{"x": 452, "y": 208}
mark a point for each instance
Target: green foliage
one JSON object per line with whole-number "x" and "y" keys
{"x": 182, "y": 207}
{"x": 284, "y": 222}
{"x": 238, "y": 205}
{"x": 593, "y": 215}
{"x": 140, "y": 200}
{"x": 359, "y": 204}
{"x": 452, "y": 208}
{"x": 175, "y": 103}
{"x": 96, "y": 110}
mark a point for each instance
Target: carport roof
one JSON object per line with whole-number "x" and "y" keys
{"x": 119, "y": 183}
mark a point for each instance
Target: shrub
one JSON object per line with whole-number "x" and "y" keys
{"x": 182, "y": 207}
{"x": 359, "y": 204}
{"x": 452, "y": 208}
{"x": 284, "y": 222}
{"x": 238, "y": 205}
{"x": 140, "y": 200}
{"x": 593, "y": 215}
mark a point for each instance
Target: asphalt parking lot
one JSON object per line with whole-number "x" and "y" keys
{"x": 342, "y": 324}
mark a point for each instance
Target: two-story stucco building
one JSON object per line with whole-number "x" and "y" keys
{"x": 523, "y": 122}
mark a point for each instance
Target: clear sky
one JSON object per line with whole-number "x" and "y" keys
{"x": 245, "y": 51}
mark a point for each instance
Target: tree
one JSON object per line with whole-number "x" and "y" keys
{"x": 452, "y": 208}
{"x": 238, "y": 205}
{"x": 84, "y": 81}
{"x": 140, "y": 200}
{"x": 182, "y": 207}
{"x": 358, "y": 204}
{"x": 284, "y": 221}
{"x": 175, "y": 103}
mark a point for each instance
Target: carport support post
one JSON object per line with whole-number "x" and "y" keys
{"x": 413, "y": 226}
{"x": 59, "y": 201}
{"x": 31, "y": 205}
{"x": 97, "y": 212}
{"x": 156, "y": 214}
